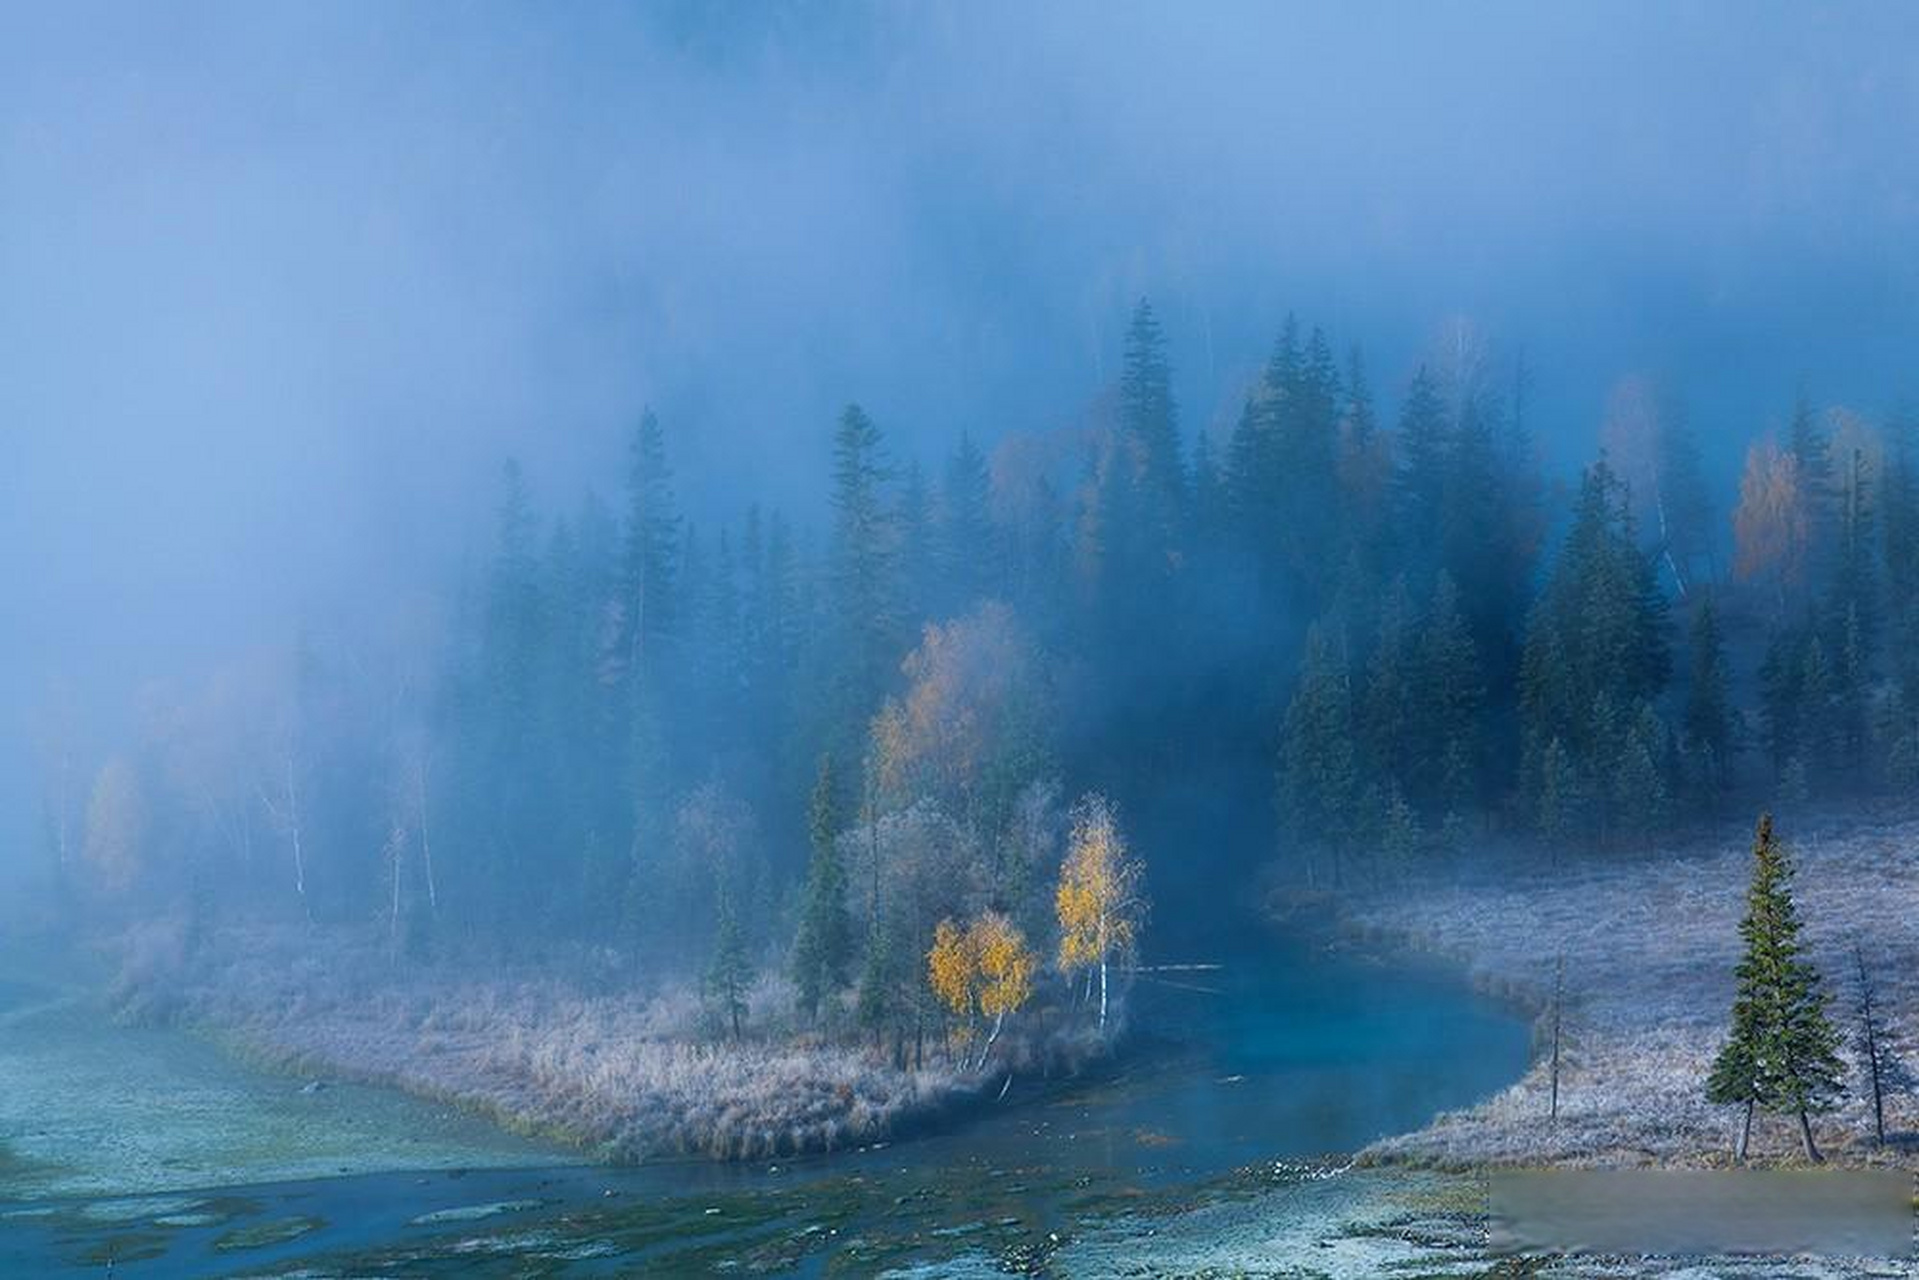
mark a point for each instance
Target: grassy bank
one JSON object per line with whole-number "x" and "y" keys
{"x": 1649, "y": 944}
{"x": 585, "y": 1057}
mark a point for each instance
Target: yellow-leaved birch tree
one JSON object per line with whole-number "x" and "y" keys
{"x": 1098, "y": 901}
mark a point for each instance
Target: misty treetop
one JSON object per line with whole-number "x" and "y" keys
{"x": 797, "y": 743}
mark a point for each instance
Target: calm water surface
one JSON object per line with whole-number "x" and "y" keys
{"x": 1290, "y": 1053}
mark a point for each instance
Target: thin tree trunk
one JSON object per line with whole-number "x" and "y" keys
{"x": 426, "y": 846}
{"x": 1559, "y": 973}
{"x": 1102, "y": 995}
{"x": 1869, "y": 1035}
{"x": 1805, "y": 1134}
{"x": 1745, "y": 1136}
{"x": 396, "y": 847}
{"x": 999, "y": 1020}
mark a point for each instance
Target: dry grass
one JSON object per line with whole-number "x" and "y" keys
{"x": 627, "y": 1073}
{"x": 1650, "y": 945}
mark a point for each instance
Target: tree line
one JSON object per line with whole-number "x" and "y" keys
{"x": 806, "y": 743}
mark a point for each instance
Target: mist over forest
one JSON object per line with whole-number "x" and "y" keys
{"x": 733, "y": 579}
{"x": 288, "y": 286}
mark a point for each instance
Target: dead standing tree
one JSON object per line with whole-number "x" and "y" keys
{"x": 1876, "y": 1045}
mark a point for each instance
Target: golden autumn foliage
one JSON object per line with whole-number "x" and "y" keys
{"x": 1771, "y": 527}
{"x": 1005, "y": 964}
{"x": 986, "y": 968}
{"x": 1098, "y": 897}
{"x": 952, "y": 967}
{"x": 971, "y": 683}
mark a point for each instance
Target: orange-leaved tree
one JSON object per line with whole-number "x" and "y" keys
{"x": 1771, "y": 526}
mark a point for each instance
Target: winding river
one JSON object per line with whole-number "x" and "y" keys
{"x": 1267, "y": 1068}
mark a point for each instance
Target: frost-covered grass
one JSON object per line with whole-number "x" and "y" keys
{"x": 1650, "y": 942}
{"x": 628, "y": 1072}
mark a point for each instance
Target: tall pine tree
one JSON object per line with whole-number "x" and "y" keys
{"x": 1782, "y": 1053}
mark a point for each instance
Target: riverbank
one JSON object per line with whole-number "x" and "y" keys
{"x": 586, "y": 1060}
{"x": 1649, "y": 943}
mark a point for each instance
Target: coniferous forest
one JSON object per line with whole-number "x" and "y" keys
{"x": 958, "y": 638}
{"x": 799, "y": 741}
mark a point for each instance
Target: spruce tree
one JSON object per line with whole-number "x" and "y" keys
{"x": 1782, "y": 1053}
{"x": 1708, "y": 718}
{"x": 1421, "y": 479}
{"x": 863, "y": 575}
{"x": 969, "y": 553}
{"x": 1318, "y": 777}
{"x": 823, "y": 949}
{"x": 1451, "y": 699}
{"x": 730, "y": 972}
{"x": 1779, "y": 702}
{"x": 1148, "y": 421}
{"x": 651, "y": 554}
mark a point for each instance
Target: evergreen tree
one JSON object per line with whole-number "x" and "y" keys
{"x": 1318, "y": 778}
{"x": 918, "y": 549}
{"x": 730, "y": 972}
{"x": 1560, "y": 801}
{"x": 1684, "y": 503}
{"x": 1421, "y": 479}
{"x": 1395, "y": 692}
{"x": 1782, "y": 1052}
{"x": 1852, "y": 615}
{"x": 1709, "y": 717}
{"x": 864, "y": 579}
{"x": 876, "y": 1003}
{"x": 1451, "y": 700}
{"x": 1149, "y": 424}
{"x": 1365, "y": 470}
{"x": 1819, "y": 712}
{"x": 1595, "y": 641}
{"x": 823, "y": 950}
{"x": 969, "y": 554}
{"x": 1209, "y": 499}
{"x": 652, "y": 553}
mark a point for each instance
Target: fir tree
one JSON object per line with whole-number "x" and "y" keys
{"x": 1451, "y": 699}
{"x": 875, "y": 1006}
{"x": 1596, "y": 638}
{"x": 1421, "y": 480}
{"x": 1318, "y": 779}
{"x": 969, "y": 555}
{"x": 1782, "y": 1053}
{"x": 1779, "y": 681}
{"x": 1708, "y": 720}
{"x": 823, "y": 949}
{"x": 1149, "y": 423}
{"x": 651, "y": 554}
{"x": 864, "y": 579}
{"x": 730, "y": 972}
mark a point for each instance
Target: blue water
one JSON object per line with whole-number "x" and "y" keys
{"x": 1292, "y": 1051}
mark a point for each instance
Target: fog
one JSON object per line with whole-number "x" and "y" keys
{"x": 280, "y": 286}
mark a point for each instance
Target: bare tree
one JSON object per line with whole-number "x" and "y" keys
{"x": 280, "y": 795}
{"x": 1875, "y": 1043}
{"x": 1559, "y": 1004}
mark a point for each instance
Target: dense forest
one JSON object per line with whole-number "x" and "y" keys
{"x": 815, "y": 740}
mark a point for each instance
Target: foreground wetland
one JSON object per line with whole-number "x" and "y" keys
{"x": 1232, "y": 1111}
